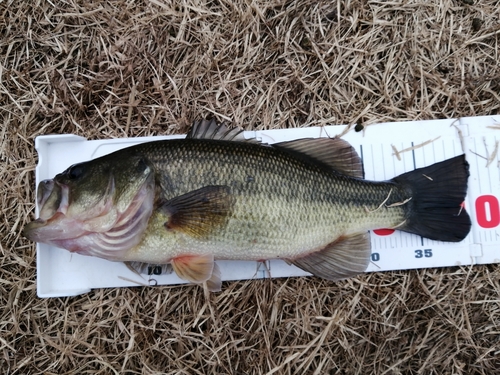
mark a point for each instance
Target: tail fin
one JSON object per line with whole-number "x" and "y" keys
{"x": 436, "y": 208}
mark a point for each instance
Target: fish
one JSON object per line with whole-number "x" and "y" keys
{"x": 180, "y": 205}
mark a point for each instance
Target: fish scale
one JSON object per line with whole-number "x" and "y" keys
{"x": 290, "y": 205}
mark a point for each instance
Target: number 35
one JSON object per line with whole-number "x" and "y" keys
{"x": 423, "y": 253}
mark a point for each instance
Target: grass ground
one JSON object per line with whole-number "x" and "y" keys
{"x": 121, "y": 68}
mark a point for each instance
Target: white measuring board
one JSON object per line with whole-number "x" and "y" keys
{"x": 61, "y": 273}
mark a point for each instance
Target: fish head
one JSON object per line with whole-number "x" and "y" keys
{"x": 99, "y": 207}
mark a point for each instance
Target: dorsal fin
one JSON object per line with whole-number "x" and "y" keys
{"x": 334, "y": 152}
{"x": 211, "y": 129}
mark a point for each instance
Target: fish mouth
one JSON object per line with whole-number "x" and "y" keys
{"x": 102, "y": 231}
{"x": 52, "y": 201}
{"x": 45, "y": 189}
{"x": 52, "y": 197}
{"x": 31, "y": 228}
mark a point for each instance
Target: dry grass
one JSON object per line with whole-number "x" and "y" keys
{"x": 129, "y": 68}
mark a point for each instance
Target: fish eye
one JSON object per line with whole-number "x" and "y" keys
{"x": 75, "y": 171}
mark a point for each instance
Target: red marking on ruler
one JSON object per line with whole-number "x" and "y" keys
{"x": 384, "y": 232}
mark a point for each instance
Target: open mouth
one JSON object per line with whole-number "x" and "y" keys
{"x": 52, "y": 197}
{"x": 52, "y": 200}
{"x": 99, "y": 231}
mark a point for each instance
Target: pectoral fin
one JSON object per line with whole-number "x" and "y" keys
{"x": 194, "y": 268}
{"x": 344, "y": 258}
{"x": 198, "y": 212}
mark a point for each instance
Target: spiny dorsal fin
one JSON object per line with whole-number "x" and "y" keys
{"x": 198, "y": 212}
{"x": 334, "y": 152}
{"x": 211, "y": 129}
{"x": 344, "y": 258}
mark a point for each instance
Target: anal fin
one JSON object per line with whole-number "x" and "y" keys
{"x": 343, "y": 258}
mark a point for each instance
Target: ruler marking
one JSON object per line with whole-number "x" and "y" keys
{"x": 373, "y": 164}
{"x": 383, "y": 161}
{"x": 489, "y": 175}
{"x": 413, "y": 155}
{"x": 415, "y": 167}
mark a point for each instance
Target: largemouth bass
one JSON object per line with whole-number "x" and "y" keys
{"x": 187, "y": 203}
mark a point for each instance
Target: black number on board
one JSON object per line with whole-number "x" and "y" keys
{"x": 375, "y": 257}
{"x": 427, "y": 253}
